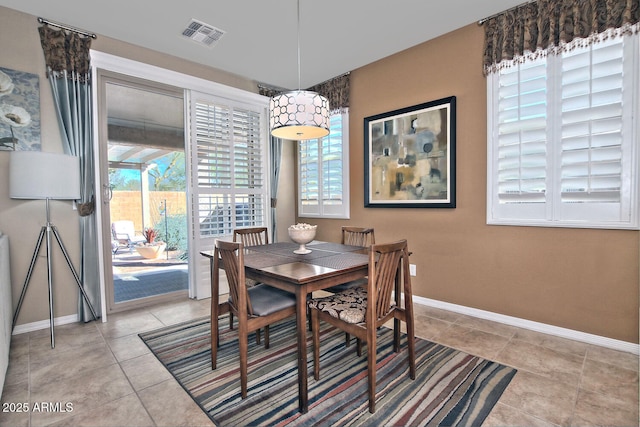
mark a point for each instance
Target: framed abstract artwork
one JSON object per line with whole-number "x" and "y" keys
{"x": 19, "y": 110}
{"x": 410, "y": 156}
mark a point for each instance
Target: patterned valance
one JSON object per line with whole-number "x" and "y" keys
{"x": 335, "y": 90}
{"x": 547, "y": 26}
{"x": 66, "y": 53}
{"x": 269, "y": 91}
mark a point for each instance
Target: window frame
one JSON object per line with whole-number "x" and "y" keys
{"x": 553, "y": 212}
{"x": 321, "y": 210}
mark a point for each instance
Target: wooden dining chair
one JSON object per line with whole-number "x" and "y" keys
{"x": 358, "y": 236}
{"x": 256, "y": 307}
{"x": 361, "y": 311}
{"x": 355, "y": 236}
{"x": 253, "y": 236}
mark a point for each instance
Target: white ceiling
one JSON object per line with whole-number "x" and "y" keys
{"x": 260, "y": 40}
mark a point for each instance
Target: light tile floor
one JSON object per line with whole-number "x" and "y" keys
{"x": 101, "y": 374}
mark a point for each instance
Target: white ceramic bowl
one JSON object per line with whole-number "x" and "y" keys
{"x": 302, "y": 236}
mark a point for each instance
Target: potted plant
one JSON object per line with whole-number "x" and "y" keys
{"x": 152, "y": 249}
{"x": 150, "y": 234}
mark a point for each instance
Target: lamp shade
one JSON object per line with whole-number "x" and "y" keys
{"x": 299, "y": 115}
{"x": 41, "y": 175}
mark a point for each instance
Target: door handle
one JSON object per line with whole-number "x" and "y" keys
{"x": 107, "y": 193}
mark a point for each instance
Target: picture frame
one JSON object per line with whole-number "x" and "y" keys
{"x": 19, "y": 111}
{"x": 410, "y": 156}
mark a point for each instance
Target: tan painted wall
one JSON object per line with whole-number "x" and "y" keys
{"x": 586, "y": 280}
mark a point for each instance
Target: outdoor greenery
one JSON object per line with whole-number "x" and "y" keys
{"x": 174, "y": 232}
{"x": 169, "y": 175}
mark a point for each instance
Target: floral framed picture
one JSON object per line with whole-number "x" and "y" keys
{"x": 410, "y": 156}
{"x": 19, "y": 110}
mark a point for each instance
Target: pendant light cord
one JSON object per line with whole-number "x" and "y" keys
{"x": 298, "y": 35}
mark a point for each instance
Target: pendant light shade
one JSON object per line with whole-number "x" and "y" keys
{"x": 299, "y": 115}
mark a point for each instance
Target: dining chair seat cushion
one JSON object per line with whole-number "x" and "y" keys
{"x": 250, "y": 282}
{"x": 266, "y": 299}
{"x": 349, "y": 306}
{"x": 346, "y": 286}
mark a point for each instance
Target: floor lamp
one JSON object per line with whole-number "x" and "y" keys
{"x": 49, "y": 176}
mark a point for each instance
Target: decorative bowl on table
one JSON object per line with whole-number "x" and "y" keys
{"x": 302, "y": 234}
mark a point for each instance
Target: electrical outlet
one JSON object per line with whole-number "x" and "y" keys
{"x": 412, "y": 269}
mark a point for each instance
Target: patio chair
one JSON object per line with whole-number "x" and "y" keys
{"x": 256, "y": 307}
{"x": 360, "y": 311}
{"x": 124, "y": 236}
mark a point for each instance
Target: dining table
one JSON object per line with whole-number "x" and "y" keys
{"x": 328, "y": 264}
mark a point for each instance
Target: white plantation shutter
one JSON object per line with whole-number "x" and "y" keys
{"x": 230, "y": 167}
{"x": 522, "y": 134}
{"x": 593, "y": 129}
{"x": 309, "y": 177}
{"x": 332, "y": 166}
{"x": 323, "y": 178}
{"x": 563, "y": 146}
{"x": 229, "y": 172}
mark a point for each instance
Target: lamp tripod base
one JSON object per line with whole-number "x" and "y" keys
{"x": 46, "y": 231}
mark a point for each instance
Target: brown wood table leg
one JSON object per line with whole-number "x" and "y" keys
{"x": 301, "y": 317}
{"x": 214, "y": 316}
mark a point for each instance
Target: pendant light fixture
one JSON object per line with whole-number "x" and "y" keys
{"x": 300, "y": 114}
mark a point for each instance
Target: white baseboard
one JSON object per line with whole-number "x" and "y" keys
{"x": 534, "y": 326}
{"x": 469, "y": 311}
{"x": 44, "y": 324}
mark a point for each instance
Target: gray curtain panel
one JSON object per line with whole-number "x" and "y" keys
{"x": 68, "y": 70}
{"x": 275, "y": 145}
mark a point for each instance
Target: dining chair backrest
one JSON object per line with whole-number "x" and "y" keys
{"x": 358, "y": 236}
{"x": 253, "y": 236}
{"x": 231, "y": 255}
{"x": 385, "y": 264}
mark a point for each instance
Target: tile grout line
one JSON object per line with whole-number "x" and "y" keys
{"x": 575, "y": 401}
{"x": 135, "y": 392}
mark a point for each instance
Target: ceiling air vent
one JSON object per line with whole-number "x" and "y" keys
{"x": 205, "y": 34}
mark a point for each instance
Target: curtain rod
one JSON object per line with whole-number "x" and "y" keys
{"x": 66, "y": 27}
{"x": 482, "y": 21}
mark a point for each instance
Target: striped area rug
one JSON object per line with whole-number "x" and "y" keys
{"x": 451, "y": 387}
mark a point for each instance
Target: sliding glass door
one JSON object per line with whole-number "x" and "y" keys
{"x": 143, "y": 176}
{"x": 191, "y": 154}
